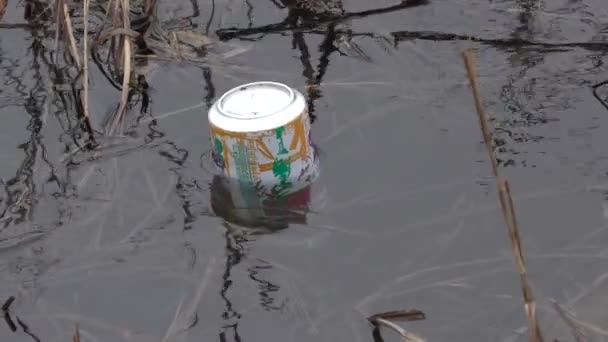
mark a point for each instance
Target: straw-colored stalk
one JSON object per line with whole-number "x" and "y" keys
{"x": 76, "y": 337}
{"x": 126, "y": 57}
{"x": 85, "y": 57}
{"x": 506, "y": 204}
{"x": 70, "y": 33}
{"x": 126, "y": 79}
{"x": 3, "y": 4}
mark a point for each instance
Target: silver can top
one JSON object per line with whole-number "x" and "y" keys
{"x": 257, "y": 106}
{"x": 256, "y": 100}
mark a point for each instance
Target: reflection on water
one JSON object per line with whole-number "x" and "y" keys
{"x": 146, "y": 194}
{"x": 257, "y": 207}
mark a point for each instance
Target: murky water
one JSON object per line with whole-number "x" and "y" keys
{"x": 124, "y": 240}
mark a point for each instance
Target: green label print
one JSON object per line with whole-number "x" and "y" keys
{"x": 279, "y": 133}
{"x": 218, "y": 155}
{"x": 281, "y": 168}
{"x": 241, "y": 162}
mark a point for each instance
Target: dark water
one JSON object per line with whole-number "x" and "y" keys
{"x": 124, "y": 242}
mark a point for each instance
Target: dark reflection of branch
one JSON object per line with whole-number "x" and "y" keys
{"x": 327, "y": 47}
{"x": 266, "y": 287}
{"x": 209, "y": 87}
{"x": 376, "y": 335}
{"x": 510, "y": 43}
{"x": 249, "y": 13}
{"x": 211, "y": 15}
{"x": 526, "y": 19}
{"x": 27, "y": 330}
{"x": 236, "y": 252}
{"x": 511, "y": 93}
{"x": 308, "y": 71}
{"x": 278, "y": 4}
{"x": 603, "y": 100}
{"x": 21, "y": 189}
{"x": 288, "y": 24}
{"x": 195, "y": 9}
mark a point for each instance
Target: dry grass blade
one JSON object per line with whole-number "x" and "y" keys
{"x": 3, "y": 4}
{"x": 85, "y": 57}
{"x": 469, "y": 62}
{"x": 70, "y": 33}
{"x": 76, "y": 337}
{"x": 506, "y": 204}
{"x": 126, "y": 66}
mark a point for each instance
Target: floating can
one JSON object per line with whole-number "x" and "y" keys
{"x": 260, "y": 134}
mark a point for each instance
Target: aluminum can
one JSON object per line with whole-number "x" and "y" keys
{"x": 260, "y": 133}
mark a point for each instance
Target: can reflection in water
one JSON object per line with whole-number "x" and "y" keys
{"x": 256, "y": 207}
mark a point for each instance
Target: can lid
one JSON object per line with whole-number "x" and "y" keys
{"x": 257, "y": 107}
{"x": 256, "y": 100}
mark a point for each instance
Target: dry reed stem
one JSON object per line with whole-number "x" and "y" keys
{"x": 76, "y": 337}
{"x": 85, "y": 54}
{"x": 469, "y": 62}
{"x": 3, "y": 5}
{"x": 126, "y": 56}
{"x": 506, "y": 204}
{"x": 70, "y": 33}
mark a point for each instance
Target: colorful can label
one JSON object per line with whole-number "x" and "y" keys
{"x": 277, "y": 159}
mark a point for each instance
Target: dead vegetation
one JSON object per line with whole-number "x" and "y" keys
{"x": 119, "y": 38}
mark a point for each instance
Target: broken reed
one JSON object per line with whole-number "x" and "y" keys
{"x": 506, "y": 203}
{"x": 385, "y": 319}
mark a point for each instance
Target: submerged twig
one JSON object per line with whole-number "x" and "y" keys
{"x": 403, "y": 315}
{"x": 383, "y": 319}
{"x": 506, "y": 204}
{"x": 577, "y": 333}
